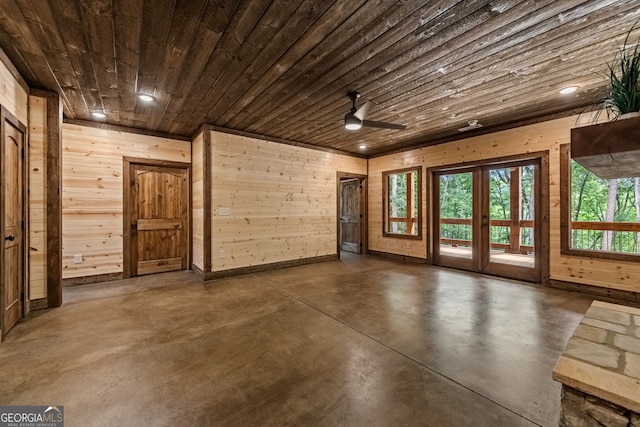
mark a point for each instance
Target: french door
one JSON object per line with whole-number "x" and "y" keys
{"x": 487, "y": 218}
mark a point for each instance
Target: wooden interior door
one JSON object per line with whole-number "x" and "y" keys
{"x": 13, "y": 276}
{"x": 350, "y": 215}
{"x": 159, "y": 219}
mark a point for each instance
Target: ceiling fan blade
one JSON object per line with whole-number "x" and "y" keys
{"x": 382, "y": 125}
{"x": 361, "y": 112}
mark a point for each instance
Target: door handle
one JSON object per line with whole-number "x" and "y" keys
{"x": 485, "y": 220}
{"x": 10, "y": 237}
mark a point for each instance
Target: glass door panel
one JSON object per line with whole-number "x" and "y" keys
{"x": 485, "y": 219}
{"x": 455, "y": 219}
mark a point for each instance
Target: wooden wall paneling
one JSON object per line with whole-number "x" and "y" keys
{"x": 197, "y": 201}
{"x": 37, "y": 197}
{"x": 92, "y": 195}
{"x": 13, "y": 89}
{"x": 540, "y": 137}
{"x": 282, "y": 201}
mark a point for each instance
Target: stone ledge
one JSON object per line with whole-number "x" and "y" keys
{"x": 602, "y": 359}
{"x": 610, "y": 386}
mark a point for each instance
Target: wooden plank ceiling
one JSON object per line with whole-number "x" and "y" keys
{"x": 282, "y": 68}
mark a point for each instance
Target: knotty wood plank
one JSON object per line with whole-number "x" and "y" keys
{"x": 244, "y": 18}
{"x": 185, "y": 21}
{"x": 212, "y": 24}
{"x": 127, "y": 27}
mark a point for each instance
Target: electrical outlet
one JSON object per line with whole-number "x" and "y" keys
{"x": 221, "y": 254}
{"x": 77, "y": 259}
{"x": 224, "y": 211}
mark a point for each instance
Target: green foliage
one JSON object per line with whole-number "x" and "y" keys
{"x": 624, "y": 80}
{"x": 456, "y": 195}
{"x": 589, "y": 195}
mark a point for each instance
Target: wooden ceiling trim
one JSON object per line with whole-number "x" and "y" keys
{"x": 266, "y": 29}
{"x": 356, "y": 60}
{"x": 213, "y": 23}
{"x": 127, "y": 27}
{"x": 437, "y": 96}
{"x": 242, "y": 23}
{"x": 186, "y": 19}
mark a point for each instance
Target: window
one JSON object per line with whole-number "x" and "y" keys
{"x": 600, "y": 217}
{"x": 402, "y": 213}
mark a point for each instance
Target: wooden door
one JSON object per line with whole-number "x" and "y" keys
{"x": 487, "y": 218}
{"x": 159, "y": 219}
{"x": 350, "y": 236}
{"x": 13, "y": 224}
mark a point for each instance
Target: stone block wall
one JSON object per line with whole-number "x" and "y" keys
{"x": 583, "y": 410}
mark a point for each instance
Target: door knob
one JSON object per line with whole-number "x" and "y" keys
{"x": 10, "y": 237}
{"x": 485, "y": 220}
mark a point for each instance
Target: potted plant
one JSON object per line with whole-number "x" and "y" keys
{"x": 623, "y": 100}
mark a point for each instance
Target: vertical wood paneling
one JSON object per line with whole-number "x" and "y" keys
{"x": 281, "y": 200}
{"x": 12, "y": 95}
{"x": 198, "y": 200}
{"x": 92, "y": 212}
{"x": 37, "y": 197}
{"x": 545, "y": 136}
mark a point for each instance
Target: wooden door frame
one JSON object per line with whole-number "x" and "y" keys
{"x": 127, "y": 163}
{"x": 364, "y": 207}
{"x": 6, "y": 116}
{"x": 542, "y": 254}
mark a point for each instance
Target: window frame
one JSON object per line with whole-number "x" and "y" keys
{"x": 565, "y": 217}
{"x": 386, "y": 201}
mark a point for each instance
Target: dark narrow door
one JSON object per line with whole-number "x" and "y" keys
{"x": 159, "y": 219}
{"x": 350, "y": 216}
{"x": 13, "y": 251}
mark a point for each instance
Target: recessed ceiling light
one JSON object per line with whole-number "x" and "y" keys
{"x": 362, "y": 147}
{"x": 98, "y": 114}
{"x": 568, "y": 90}
{"x": 146, "y": 98}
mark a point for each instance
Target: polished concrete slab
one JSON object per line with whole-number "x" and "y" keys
{"x": 362, "y": 341}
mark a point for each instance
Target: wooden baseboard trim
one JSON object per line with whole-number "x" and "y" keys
{"x": 267, "y": 267}
{"x": 85, "y": 280}
{"x": 405, "y": 258}
{"x": 616, "y": 295}
{"x": 198, "y": 272}
{"x": 38, "y": 304}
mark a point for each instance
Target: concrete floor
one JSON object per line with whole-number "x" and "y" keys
{"x": 362, "y": 341}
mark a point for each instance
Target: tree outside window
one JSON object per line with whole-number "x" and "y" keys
{"x": 603, "y": 216}
{"x": 402, "y": 213}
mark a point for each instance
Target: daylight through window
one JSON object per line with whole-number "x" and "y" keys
{"x": 402, "y": 203}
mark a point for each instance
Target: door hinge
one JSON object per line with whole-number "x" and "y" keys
{"x": 22, "y": 153}
{"x": 22, "y": 224}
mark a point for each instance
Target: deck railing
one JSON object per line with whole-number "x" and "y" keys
{"x": 584, "y": 235}
{"x": 623, "y": 236}
{"x": 458, "y": 232}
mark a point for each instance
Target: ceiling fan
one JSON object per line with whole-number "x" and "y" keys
{"x": 354, "y": 119}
